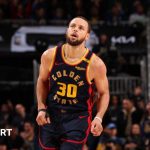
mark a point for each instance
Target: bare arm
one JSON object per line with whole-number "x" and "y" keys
{"x": 43, "y": 85}
{"x": 43, "y": 79}
{"x": 101, "y": 82}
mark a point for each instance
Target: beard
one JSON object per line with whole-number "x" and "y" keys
{"x": 74, "y": 42}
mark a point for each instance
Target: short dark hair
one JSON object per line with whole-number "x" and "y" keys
{"x": 128, "y": 98}
{"x": 81, "y": 17}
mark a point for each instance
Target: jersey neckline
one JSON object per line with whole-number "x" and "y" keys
{"x": 75, "y": 62}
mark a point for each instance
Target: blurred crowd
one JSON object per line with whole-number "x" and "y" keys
{"x": 56, "y": 10}
{"x": 117, "y": 63}
{"x": 15, "y": 117}
{"x": 126, "y": 125}
{"x": 127, "y": 121}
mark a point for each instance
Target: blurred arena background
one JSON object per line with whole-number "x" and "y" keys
{"x": 120, "y": 36}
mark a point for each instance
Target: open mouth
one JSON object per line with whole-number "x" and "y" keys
{"x": 74, "y": 35}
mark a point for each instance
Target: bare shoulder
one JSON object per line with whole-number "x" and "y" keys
{"x": 97, "y": 64}
{"x": 47, "y": 58}
{"x": 48, "y": 54}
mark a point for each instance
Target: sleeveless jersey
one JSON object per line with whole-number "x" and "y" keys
{"x": 70, "y": 90}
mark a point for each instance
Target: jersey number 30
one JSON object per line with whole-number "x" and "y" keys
{"x": 69, "y": 90}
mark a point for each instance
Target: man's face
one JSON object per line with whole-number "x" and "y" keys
{"x": 137, "y": 91}
{"x": 77, "y": 32}
{"x": 28, "y": 127}
{"x": 135, "y": 129}
{"x": 126, "y": 104}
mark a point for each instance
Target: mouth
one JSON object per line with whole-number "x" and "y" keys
{"x": 74, "y": 35}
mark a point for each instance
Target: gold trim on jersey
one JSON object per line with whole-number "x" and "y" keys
{"x": 86, "y": 60}
{"x": 87, "y": 70}
{"x": 75, "y": 62}
{"x": 53, "y": 59}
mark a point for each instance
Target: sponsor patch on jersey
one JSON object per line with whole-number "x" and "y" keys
{"x": 80, "y": 68}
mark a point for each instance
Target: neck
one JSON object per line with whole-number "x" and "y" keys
{"x": 74, "y": 51}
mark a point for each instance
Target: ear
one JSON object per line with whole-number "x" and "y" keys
{"x": 66, "y": 30}
{"x": 87, "y": 36}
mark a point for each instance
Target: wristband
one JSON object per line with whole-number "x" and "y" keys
{"x": 100, "y": 119}
{"x": 44, "y": 110}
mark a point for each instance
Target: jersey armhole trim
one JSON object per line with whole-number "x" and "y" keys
{"x": 87, "y": 71}
{"x": 53, "y": 60}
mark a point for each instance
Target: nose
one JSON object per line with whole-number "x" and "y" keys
{"x": 75, "y": 29}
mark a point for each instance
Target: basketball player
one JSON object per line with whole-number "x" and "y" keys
{"x": 64, "y": 90}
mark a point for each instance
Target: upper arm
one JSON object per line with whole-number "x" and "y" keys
{"x": 100, "y": 77}
{"x": 47, "y": 59}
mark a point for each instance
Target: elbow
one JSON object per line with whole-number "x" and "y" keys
{"x": 106, "y": 95}
{"x": 41, "y": 80}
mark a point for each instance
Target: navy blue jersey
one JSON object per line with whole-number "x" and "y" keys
{"x": 70, "y": 89}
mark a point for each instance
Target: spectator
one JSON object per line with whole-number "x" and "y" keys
{"x": 146, "y": 126}
{"x": 108, "y": 53}
{"x": 78, "y": 8}
{"x": 5, "y": 115}
{"x": 20, "y": 9}
{"x": 27, "y": 8}
{"x": 134, "y": 140}
{"x": 139, "y": 100}
{"x": 14, "y": 141}
{"x": 58, "y": 14}
{"x": 20, "y": 12}
{"x": 96, "y": 11}
{"x": 20, "y": 117}
{"x": 138, "y": 16}
{"x": 28, "y": 135}
{"x": 138, "y": 94}
{"x": 115, "y": 114}
{"x": 130, "y": 115}
{"x": 39, "y": 11}
{"x": 55, "y": 9}
{"x": 40, "y": 15}
{"x": 116, "y": 15}
{"x": 102, "y": 48}
{"x": 110, "y": 140}
{"x": 95, "y": 15}
{"x": 38, "y": 3}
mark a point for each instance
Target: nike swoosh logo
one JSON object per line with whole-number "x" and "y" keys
{"x": 57, "y": 64}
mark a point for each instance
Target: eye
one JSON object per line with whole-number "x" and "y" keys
{"x": 81, "y": 27}
{"x": 72, "y": 25}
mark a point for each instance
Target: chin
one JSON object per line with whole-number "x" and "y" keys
{"x": 75, "y": 42}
